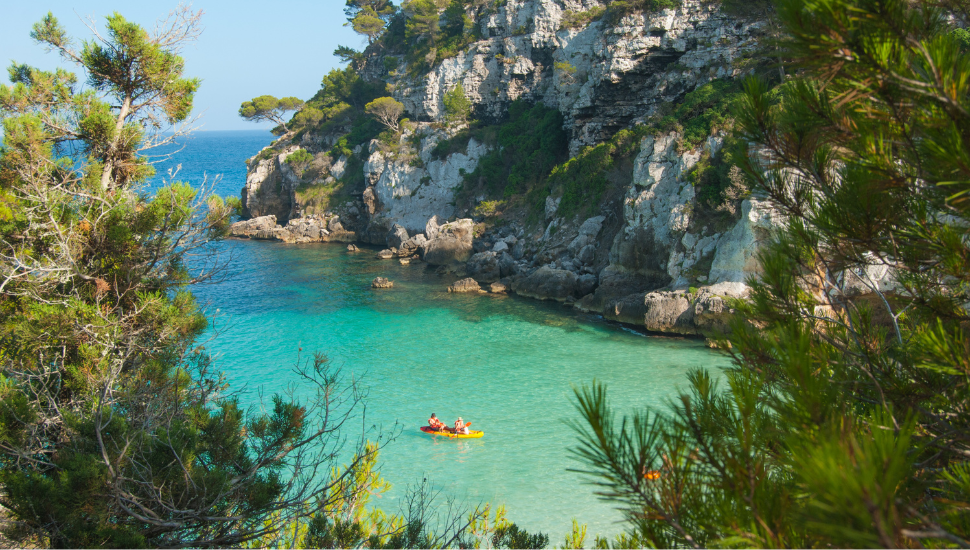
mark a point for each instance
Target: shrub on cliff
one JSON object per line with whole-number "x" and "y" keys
{"x": 525, "y": 148}
{"x": 843, "y": 422}
{"x": 458, "y": 108}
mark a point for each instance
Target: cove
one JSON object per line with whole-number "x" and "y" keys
{"x": 505, "y": 363}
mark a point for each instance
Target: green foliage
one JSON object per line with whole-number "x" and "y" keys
{"x": 761, "y": 9}
{"x": 114, "y": 429}
{"x": 267, "y": 107}
{"x": 457, "y": 106}
{"x": 347, "y": 54}
{"x": 576, "y": 537}
{"x": 299, "y": 160}
{"x": 368, "y": 23}
{"x": 962, "y": 37}
{"x": 583, "y": 180}
{"x": 391, "y": 63}
{"x": 488, "y": 209}
{"x": 579, "y": 19}
{"x": 339, "y": 103}
{"x": 525, "y": 148}
{"x": 719, "y": 184}
{"x": 452, "y": 145}
{"x": 135, "y": 70}
{"x": 386, "y": 110}
{"x": 827, "y": 431}
{"x": 616, "y": 9}
{"x": 427, "y": 31}
{"x": 511, "y": 536}
{"x": 703, "y": 112}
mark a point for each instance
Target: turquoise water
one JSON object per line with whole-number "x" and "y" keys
{"x": 504, "y": 363}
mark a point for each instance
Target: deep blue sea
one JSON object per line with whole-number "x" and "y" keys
{"x": 505, "y": 363}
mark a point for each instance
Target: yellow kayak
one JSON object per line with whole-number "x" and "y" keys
{"x": 472, "y": 434}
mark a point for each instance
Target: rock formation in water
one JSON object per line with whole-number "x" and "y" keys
{"x": 653, "y": 248}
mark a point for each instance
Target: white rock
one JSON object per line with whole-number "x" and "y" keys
{"x": 735, "y": 259}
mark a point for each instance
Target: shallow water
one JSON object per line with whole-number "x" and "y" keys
{"x": 504, "y": 363}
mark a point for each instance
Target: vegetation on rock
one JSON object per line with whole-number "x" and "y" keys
{"x": 386, "y": 110}
{"x": 524, "y": 150}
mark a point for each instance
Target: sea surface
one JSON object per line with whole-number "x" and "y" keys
{"x": 507, "y": 364}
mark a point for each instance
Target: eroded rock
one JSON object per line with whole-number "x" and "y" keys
{"x": 452, "y": 242}
{"x": 465, "y": 285}
{"x": 547, "y": 283}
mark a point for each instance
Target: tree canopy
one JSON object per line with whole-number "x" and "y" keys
{"x": 140, "y": 76}
{"x": 386, "y": 110}
{"x": 267, "y": 107}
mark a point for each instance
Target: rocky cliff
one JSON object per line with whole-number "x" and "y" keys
{"x": 650, "y": 252}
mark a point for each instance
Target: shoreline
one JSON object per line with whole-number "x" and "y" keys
{"x": 365, "y": 248}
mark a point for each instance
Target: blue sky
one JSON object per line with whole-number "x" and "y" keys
{"x": 277, "y": 47}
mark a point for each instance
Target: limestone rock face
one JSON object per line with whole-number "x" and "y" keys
{"x": 397, "y": 236}
{"x": 620, "y": 71}
{"x": 452, "y": 242}
{"x": 655, "y": 210}
{"x": 270, "y": 187}
{"x": 298, "y": 230}
{"x": 310, "y": 229}
{"x": 409, "y": 193}
{"x": 376, "y": 231}
{"x": 547, "y": 283}
{"x": 466, "y": 285}
{"x": 735, "y": 259}
{"x": 639, "y": 251}
{"x": 484, "y": 267}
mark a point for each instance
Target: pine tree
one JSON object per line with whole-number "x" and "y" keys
{"x": 844, "y": 420}
{"x": 115, "y": 431}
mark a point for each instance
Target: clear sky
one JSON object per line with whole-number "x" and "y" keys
{"x": 276, "y": 47}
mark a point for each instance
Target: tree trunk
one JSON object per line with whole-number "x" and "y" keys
{"x": 109, "y": 162}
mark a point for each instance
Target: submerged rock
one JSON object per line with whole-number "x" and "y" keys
{"x": 381, "y": 282}
{"x": 385, "y": 254}
{"x": 352, "y": 248}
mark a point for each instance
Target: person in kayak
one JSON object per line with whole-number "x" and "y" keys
{"x": 460, "y": 427}
{"x": 435, "y": 424}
